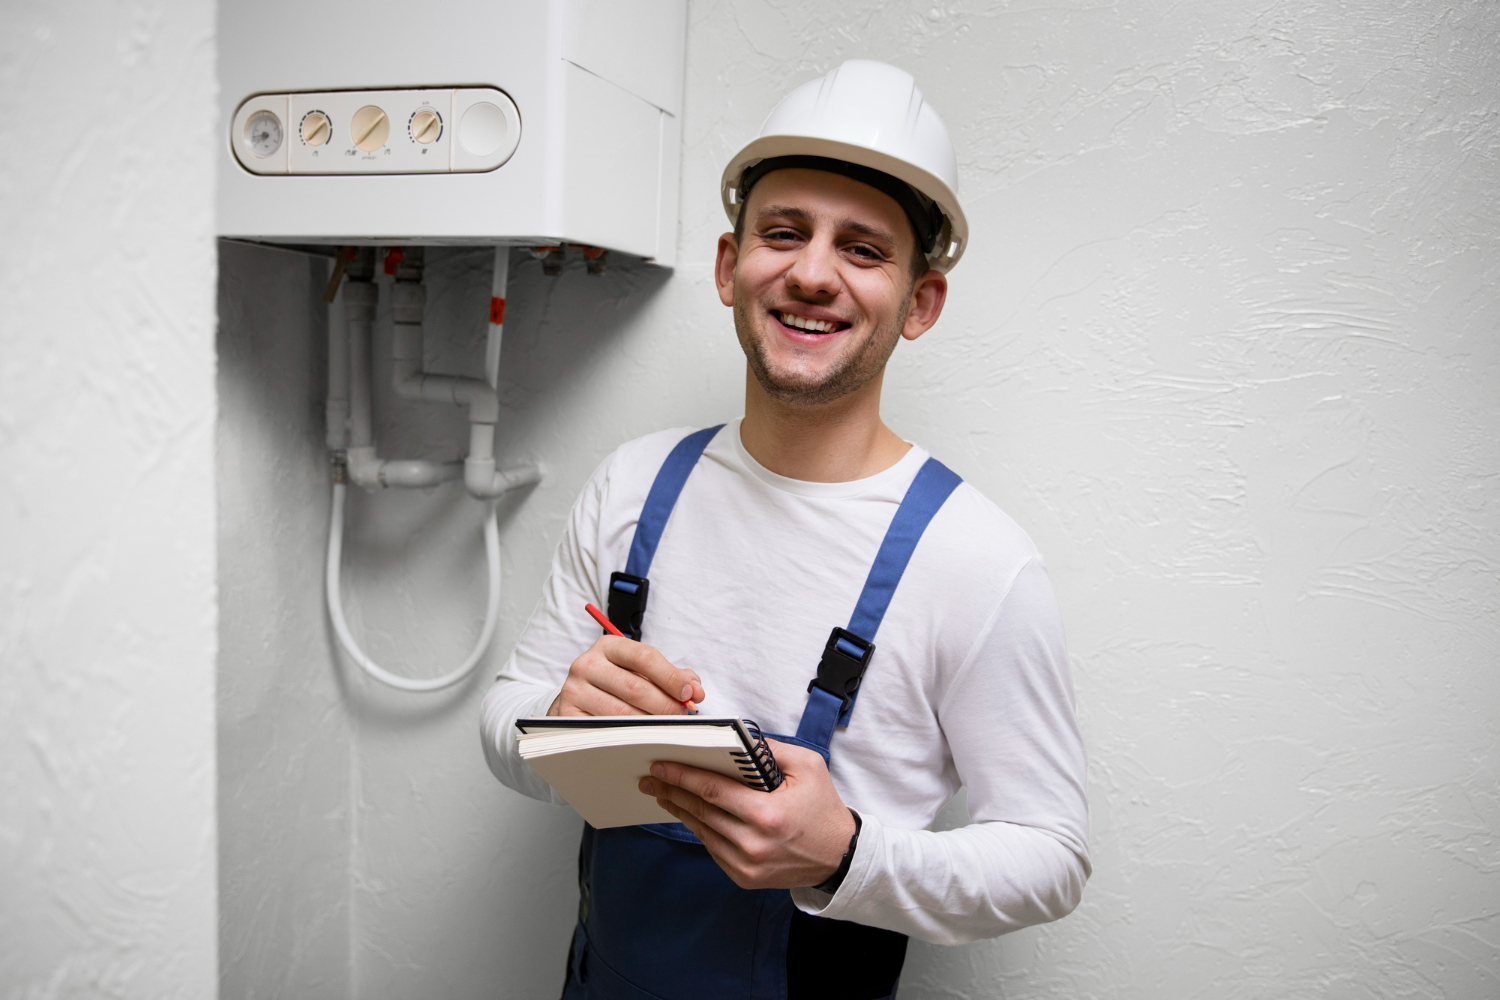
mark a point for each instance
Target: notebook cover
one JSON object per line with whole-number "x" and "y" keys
{"x": 601, "y": 782}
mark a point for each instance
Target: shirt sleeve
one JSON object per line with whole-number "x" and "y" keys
{"x": 1011, "y": 726}
{"x": 557, "y": 632}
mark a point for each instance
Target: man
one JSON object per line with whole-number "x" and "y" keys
{"x": 758, "y": 537}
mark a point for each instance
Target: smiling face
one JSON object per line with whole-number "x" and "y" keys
{"x": 821, "y": 281}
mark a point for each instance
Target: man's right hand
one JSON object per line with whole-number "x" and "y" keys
{"x": 623, "y": 677}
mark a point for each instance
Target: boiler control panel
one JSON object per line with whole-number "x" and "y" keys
{"x": 432, "y": 130}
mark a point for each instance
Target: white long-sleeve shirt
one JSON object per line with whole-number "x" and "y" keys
{"x": 968, "y": 685}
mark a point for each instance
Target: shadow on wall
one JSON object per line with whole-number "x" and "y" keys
{"x": 413, "y": 558}
{"x": 285, "y": 788}
{"x": 405, "y": 548}
{"x": 364, "y": 847}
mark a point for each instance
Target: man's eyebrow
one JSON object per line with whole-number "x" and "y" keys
{"x": 794, "y": 213}
{"x": 872, "y": 232}
{"x": 785, "y": 212}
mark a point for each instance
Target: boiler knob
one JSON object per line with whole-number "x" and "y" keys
{"x": 426, "y": 126}
{"x": 369, "y": 128}
{"x": 316, "y": 128}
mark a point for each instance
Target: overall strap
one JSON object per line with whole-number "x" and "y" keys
{"x": 831, "y": 694}
{"x": 628, "y": 590}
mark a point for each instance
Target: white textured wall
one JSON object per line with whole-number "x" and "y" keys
{"x": 285, "y": 746}
{"x": 1225, "y": 342}
{"x": 107, "y": 606}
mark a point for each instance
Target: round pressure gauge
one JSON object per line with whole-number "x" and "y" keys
{"x": 263, "y": 133}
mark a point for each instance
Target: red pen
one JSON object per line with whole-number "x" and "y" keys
{"x": 609, "y": 627}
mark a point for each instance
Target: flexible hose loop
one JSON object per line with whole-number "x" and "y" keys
{"x": 341, "y": 627}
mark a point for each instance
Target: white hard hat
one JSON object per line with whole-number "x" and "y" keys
{"x": 866, "y": 120}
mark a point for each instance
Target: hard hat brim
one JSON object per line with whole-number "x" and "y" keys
{"x": 952, "y": 241}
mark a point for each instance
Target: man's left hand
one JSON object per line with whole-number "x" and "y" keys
{"x": 792, "y": 837}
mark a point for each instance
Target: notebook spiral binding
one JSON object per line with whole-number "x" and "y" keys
{"x": 758, "y": 766}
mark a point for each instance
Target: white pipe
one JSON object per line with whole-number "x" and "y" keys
{"x": 498, "y": 282}
{"x": 480, "y": 477}
{"x": 333, "y": 582}
{"x": 408, "y": 302}
{"x": 418, "y": 472}
{"x": 366, "y": 468}
{"x": 359, "y": 314}
{"x": 369, "y": 470}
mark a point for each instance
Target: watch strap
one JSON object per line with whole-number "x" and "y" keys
{"x": 831, "y": 883}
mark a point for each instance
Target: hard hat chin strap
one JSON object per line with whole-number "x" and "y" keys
{"x": 925, "y": 217}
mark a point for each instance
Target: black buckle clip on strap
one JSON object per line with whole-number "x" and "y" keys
{"x": 845, "y": 658}
{"x": 627, "y": 602}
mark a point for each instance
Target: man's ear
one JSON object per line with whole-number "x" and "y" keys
{"x": 724, "y": 264}
{"x": 928, "y": 294}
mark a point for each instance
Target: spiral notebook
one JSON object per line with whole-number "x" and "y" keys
{"x": 595, "y": 762}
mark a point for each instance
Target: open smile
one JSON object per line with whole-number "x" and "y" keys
{"x": 808, "y": 324}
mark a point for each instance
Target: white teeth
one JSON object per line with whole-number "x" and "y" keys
{"x": 811, "y": 325}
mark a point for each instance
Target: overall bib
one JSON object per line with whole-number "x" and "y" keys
{"x": 658, "y": 919}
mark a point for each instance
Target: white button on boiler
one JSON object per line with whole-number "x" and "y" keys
{"x": 482, "y": 130}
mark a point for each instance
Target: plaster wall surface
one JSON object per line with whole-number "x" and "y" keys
{"x": 107, "y": 534}
{"x": 1225, "y": 342}
{"x": 285, "y": 747}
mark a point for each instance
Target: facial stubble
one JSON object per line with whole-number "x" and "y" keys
{"x": 849, "y": 374}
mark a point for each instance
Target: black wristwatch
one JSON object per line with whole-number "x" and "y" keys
{"x": 831, "y": 883}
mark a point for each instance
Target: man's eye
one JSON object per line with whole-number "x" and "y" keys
{"x": 780, "y": 235}
{"x": 866, "y": 252}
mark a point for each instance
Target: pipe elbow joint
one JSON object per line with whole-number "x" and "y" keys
{"x": 481, "y": 399}
{"x": 407, "y": 379}
{"x": 364, "y": 468}
{"x": 483, "y": 481}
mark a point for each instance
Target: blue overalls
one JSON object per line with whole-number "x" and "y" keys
{"x": 658, "y": 919}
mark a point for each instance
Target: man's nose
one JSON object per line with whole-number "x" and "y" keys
{"x": 815, "y": 273}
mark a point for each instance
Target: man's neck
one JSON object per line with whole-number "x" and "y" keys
{"x": 830, "y": 443}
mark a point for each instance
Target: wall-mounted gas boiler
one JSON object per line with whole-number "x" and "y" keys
{"x": 524, "y": 122}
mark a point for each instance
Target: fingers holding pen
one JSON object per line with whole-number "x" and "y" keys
{"x": 654, "y": 666}
{"x": 624, "y": 682}
{"x": 648, "y": 662}
{"x": 618, "y": 676}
